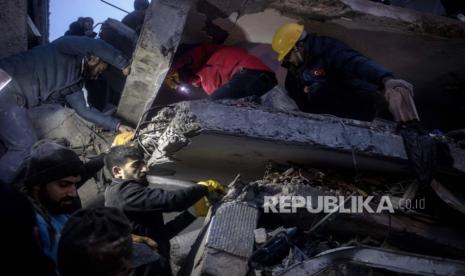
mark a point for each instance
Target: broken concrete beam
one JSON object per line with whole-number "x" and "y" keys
{"x": 223, "y": 139}
{"x": 229, "y": 241}
{"x": 160, "y": 37}
{"x": 398, "y": 17}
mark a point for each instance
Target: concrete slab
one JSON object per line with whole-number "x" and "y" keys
{"x": 211, "y": 139}
{"x": 163, "y": 26}
{"x": 198, "y": 139}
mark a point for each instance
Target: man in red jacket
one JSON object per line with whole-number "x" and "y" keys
{"x": 222, "y": 72}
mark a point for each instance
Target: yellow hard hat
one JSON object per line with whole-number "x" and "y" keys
{"x": 123, "y": 138}
{"x": 285, "y": 38}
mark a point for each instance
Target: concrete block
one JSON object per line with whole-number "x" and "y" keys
{"x": 214, "y": 139}
{"x": 164, "y": 24}
{"x": 228, "y": 242}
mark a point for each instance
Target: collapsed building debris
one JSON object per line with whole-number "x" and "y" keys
{"x": 360, "y": 243}
{"x": 217, "y": 136}
{"x": 360, "y": 159}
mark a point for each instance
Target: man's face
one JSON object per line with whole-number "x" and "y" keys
{"x": 94, "y": 67}
{"x": 134, "y": 169}
{"x": 87, "y": 23}
{"x": 296, "y": 56}
{"x": 58, "y": 196}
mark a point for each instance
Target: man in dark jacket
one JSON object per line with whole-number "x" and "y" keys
{"x": 52, "y": 73}
{"x": 327, "y": 76}
{"x": 144, "y": 205}
{"x": 53, "y": 175}
{"x": 135, "y": 19}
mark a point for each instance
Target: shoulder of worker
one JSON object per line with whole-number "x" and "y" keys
{"x": 319, "y": 44}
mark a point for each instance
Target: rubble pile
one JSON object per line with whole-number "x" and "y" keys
{"x": 286, "y": 239}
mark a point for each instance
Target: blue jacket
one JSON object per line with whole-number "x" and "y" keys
{"x": 52, "y": 74}
{"x": 49, "y": 242}
{"x": 333, "y": 67}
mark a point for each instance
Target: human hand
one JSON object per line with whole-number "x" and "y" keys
{"x": 126, "y": 70}
{"x": 399, "y": 95}
{"x": 142, "y": 239}
{"x": 213, "y": 186}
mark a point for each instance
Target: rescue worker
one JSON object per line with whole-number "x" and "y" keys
{"x": 53, "y": 73}
{"x": 135, "y": 19}
{"x": 21, "y": 247}
{"x": 82, "y": 27}
{"x": 222, "y": 72}
{"x": 144, "y": 206}
{"x": 52, "y": 175}
{"x": 327, "y": 76}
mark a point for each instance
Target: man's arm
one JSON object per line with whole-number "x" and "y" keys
{"x": 141, "y": 197}
{"x": 91, "y": 168}
{"x": 83, "y": 46}
{"x": 350, "y": 62}
{"x": 77, "y": 102}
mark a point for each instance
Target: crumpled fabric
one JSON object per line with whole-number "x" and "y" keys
{"x": 399, "y": 95}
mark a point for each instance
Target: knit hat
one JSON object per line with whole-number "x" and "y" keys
{"x": 96, "y": 242}
{"x": 50, "y": 161}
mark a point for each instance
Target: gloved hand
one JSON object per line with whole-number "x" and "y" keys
{"x": 201, "y": 207}
{"x": 172, "y": 80}
{"x": 142, "y": 239}
{"x": 213, "y": 186}
{"x": 399, "y": 95}
{"x": 123, "y": 138}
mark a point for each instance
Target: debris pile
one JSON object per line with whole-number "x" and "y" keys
{"x": 286, "y": 240}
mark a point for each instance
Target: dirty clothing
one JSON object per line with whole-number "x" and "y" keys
{"x": 144, "y": 206}
{"x": 212, "y": 66}
{"x": 47, "y": 74}
{"x": 339, "y": 80}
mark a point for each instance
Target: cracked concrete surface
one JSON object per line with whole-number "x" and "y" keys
{"x": 163, "y": 26}
{"x": 221, "y": 139}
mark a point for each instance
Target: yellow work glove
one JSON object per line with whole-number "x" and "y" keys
{"x": 123, "y": 138}
{"x": 172, "y": 80}
{"x": 142, "y": 239}
{"x": 201, "y": 207}
{"x": 213, "y": 186}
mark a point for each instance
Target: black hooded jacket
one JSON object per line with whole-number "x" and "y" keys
{"x": 144, "y": 206}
